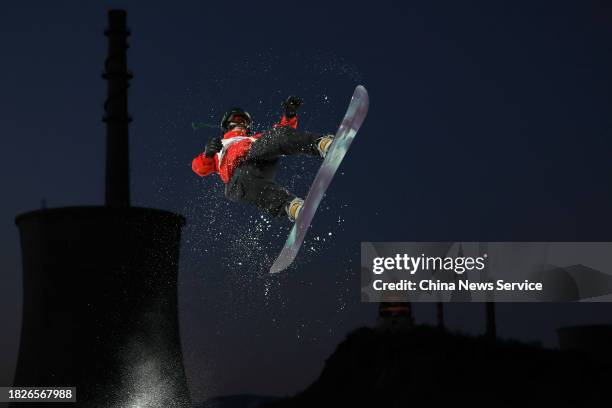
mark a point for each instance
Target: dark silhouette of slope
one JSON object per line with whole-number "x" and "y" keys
{"x": 382, "y": 368}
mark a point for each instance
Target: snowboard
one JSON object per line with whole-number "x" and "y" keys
{"x": 354, "y": 117}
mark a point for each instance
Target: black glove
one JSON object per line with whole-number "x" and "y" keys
{"x": 291, "y": 105}
{"x": 213, "y": 146}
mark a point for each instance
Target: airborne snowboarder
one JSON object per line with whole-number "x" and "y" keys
{"x": 247, "y": 162}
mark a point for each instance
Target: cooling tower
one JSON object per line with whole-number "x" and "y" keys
{"x": 100, "y": 305}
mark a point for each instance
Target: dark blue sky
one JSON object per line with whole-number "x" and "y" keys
{"x": 488, "y": 121}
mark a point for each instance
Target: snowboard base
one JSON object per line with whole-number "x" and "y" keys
{"x": 352, "y": 121}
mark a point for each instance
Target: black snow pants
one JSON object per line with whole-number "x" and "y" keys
{"x": 254, "y": 180}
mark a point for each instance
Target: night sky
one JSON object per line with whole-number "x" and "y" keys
{"x": 488, "y": 121}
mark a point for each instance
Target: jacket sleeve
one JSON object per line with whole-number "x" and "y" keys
{"x": 293, "y": 122}
{"x": 203, "y": 166}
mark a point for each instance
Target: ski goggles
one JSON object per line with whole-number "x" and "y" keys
{"x": 236, "y": 120}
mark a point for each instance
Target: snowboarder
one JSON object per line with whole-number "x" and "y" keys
{"x": 247, "y": 162}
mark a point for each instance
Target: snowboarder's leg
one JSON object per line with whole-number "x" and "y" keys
{"x": 284, "y": 140}
{"x": 266, "y": 194}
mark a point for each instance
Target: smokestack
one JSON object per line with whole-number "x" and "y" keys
{"x": 490, "y": 321}
{"x": 117, "y": 118}
{"x": 440, "y": 315}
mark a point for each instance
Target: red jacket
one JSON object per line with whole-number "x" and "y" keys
{"x": 236, "y": 145}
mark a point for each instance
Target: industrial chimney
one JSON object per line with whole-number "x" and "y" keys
{"x": 117, "y": 118}
{"x": 100, "y": 283}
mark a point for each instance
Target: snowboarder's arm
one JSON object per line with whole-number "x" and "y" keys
{"x": 285, "y": 121}
{"x": 203, "y": 166}
{"x": 207, "y": 162}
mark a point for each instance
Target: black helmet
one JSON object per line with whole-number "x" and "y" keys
{"x": 235, "y": 112}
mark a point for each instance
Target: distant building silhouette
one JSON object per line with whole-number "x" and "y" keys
{"x": 395, "y": 316}
{"x": 100, "y": 283}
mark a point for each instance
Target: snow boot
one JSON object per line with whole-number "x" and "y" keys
{"x": 293, "y": 208}
{"x": 323, "y": 144}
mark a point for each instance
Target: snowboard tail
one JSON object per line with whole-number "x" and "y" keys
{"x": 352, "y": 121}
